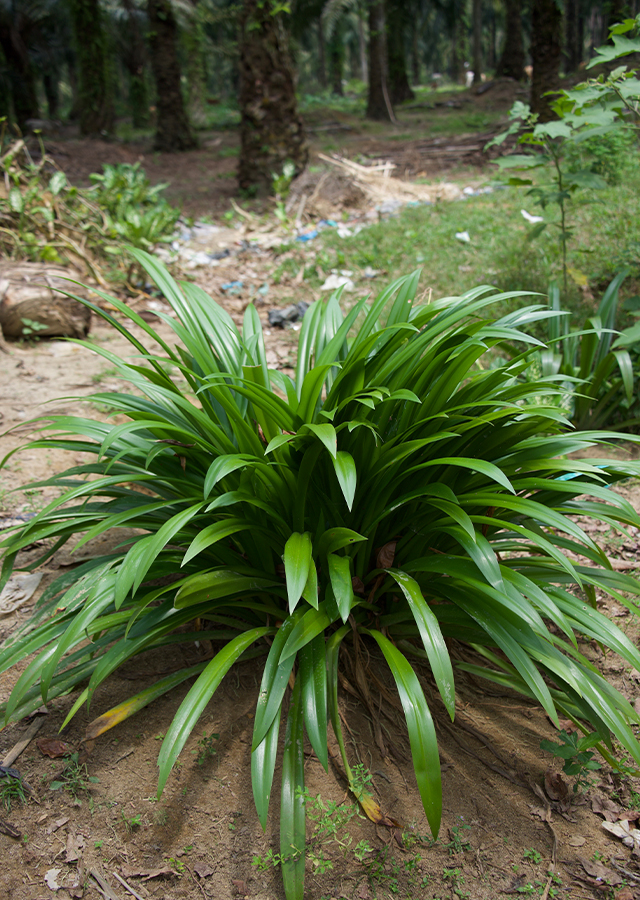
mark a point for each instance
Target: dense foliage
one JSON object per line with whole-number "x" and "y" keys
{"x": 399, "y": 494}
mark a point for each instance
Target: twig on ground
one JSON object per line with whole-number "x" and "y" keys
{"x": 24, "y": 742}
{"x": 127, "y": 886}
{"x": 103, "y": 886}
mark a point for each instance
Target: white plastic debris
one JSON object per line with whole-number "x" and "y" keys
{"x": 531, "y": 219}
{"x": 335, "y": 281}
{"x": 463, "y": 236}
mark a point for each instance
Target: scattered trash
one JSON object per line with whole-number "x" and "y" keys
{"x": 17, "y": 591}
{"x": 531, "y": 219}
{"x": 308, "y": 236}
{"x": 333, "y": 282}
{"x": 281, "y": 318}
{"x": 232, "y": 287}
{"x": 13, "y": 521}
{"x": 370, "y": 273}
{"x": 463, "y": 236}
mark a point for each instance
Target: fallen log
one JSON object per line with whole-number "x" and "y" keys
{"x": 32, "y": 306}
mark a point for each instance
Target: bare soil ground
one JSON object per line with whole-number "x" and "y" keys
{"x": 508, "y": 820}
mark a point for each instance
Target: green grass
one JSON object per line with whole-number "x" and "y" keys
{"x": 499, "y": 253}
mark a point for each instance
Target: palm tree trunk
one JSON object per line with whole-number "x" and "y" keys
{"x": 546, "y": 55}
{"x": 511, "y": 64}
{"x": 271, "y": 130}
{"x": 477, "y": 41}
{"x": 94, "y": 89}
{"x": 20, "y": 75}
{"x": 378, "y": 103}
{"x": 173, "y": 131}
{"x": 399, "y": 87}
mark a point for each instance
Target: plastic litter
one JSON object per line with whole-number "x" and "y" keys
{"x": 370, "y": 273}
{"x": 231, "y": 287}
{"x": 333, "y": 282}
{"x": 281, "y": 318}
{"x": 308, "y": 236}
{"x": 531, "y": 219}
{"x": 463, "y": 236}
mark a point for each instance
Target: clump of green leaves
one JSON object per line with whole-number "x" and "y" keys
{"x": 577, "y": 754}
{"x": 135, "y": 211}
{"x": 595, "y": 364}
{"x": 397, "y": 492}
{"x": 44, "y": 218}
{"x": 569, "y": 154}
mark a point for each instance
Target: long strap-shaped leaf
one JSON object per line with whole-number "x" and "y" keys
{"x": 201, "y": 692}
{"x": 263, "y": 764}
{"x": 422, "y": 734}
{"x": 313, "y": 676}
{"x": 432, "y": 639}
{"x": 292, "y": 811}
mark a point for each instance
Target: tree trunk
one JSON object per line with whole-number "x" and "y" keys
{"x": 50, "y": 80}
{"x": 415, "y": 58}
{"x": 322, "y": 61}
{"x": 546, "y": 54}
{"x": 271, "y": 130}
{"x": 194, "y": 44}
{"x": 572, "y": 56}
{"x": 94, "y": 90}
{"x": 378, "y": 103}
{"x": 477, "y": 41}
{"x": 399, "y": 87}
{"x": 173, "y": 132}
{"x": 134, "y": 59}
{"x": 336, "y": 59}
{"x": 20, "y": 75}
{"x": 511, "y": 64}
{"x": 362, "y": 43}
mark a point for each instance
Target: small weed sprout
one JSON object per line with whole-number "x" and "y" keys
{"x": 132, "y": 823}
{"x": 532, "y": 855}
{"x": 457, "y": 844}
{"x": 11, "y": 791}
{"x": 577, "y": 756}
{"x": 74, "y": 778}
{"x": 207, "y": 745}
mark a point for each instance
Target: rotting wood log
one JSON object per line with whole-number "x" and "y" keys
{"x": 31, "y": 304}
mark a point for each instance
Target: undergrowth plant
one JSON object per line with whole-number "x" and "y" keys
{"x": 394, "y": 499}
{"x": 594, "y": 363}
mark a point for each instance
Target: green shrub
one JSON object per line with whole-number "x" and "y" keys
{"x": 396, "y": 494}
{"x": 136, "y": 213}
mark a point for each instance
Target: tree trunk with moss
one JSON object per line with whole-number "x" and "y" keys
{"x": 95, "y": 98}
{"x": 399, "y": 87}
{"x": 173, "y": 132}
{"x": 511, "y": 63}
{"x": 20, "y": 75}
{"x": 546, "y": 55}
{"x": 378, "y": 101}
{"x": 271, "y": 130}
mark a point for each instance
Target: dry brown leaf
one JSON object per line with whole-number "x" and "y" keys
{"x": 386, "y": 555}
{"x": 606, "y": 808}
{"x": 555, "y": 785}
{"x": 203, "y": 869}
{"x": 625, "y": 894}
{"x": 240, "y": 887}
{"x": 57, "y": 824}
{"x": 53, "y": 748}
{"x": 577, "y": 841}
